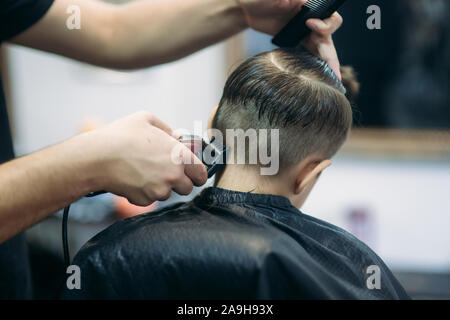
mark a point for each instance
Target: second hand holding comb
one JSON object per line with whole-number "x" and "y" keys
{"x": 296, "y": 30}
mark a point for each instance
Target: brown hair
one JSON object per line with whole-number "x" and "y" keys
{"x": 295, "y": 92}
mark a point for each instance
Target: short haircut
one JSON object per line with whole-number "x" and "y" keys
{"x": 295, "y": 92}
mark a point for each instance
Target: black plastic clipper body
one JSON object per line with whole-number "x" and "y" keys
{"x": 296, "y": 30}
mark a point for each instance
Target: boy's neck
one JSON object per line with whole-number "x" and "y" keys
{"x": 245, "y": 179}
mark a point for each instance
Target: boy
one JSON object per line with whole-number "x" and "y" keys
{"x": 245, "y": 237}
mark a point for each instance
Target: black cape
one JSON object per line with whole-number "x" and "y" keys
{"x": 229, "y": 245}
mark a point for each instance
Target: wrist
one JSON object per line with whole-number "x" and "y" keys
{"x": 234, "y": 8}
{"x": 89, "y": 162}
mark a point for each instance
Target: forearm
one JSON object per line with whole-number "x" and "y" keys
{"x": 37, "y": 185}
{"x": 154, "y": 32}
{"x": 141, "y": 33}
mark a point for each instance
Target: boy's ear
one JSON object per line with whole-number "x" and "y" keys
{"x": 309, "y": 173}
{"x": 211, "y": 116}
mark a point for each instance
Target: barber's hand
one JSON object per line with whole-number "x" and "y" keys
{"x": 136, "y": 160}
{"x": 270, "y": 16}
{"x": 320, "y": 41}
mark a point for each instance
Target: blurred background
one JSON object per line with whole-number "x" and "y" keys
{"x": 389, "y": 186}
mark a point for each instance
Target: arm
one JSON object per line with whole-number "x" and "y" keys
{"x": 131, "y": 157}
{"x": 145, "y": 33}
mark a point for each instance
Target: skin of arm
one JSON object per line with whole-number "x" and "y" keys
{"x": 38, "y": 184}
{"x": 146, "y": 33}
{"x": 136, "y": 34}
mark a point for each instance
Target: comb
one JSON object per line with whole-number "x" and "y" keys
{"x": 296, "y": 30}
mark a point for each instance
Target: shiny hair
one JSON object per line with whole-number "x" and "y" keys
{"x": 295, "y": 92}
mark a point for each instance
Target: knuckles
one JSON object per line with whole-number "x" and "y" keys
{"x": 140, "y": 201}
{"x": 163, "y": 193}
{"x": 339, "y": 20}
{"x": 187, "y": 191}
{"x": 145, "y": 115}
{"x": 174, "y": 177}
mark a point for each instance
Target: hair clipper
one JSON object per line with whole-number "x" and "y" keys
{"x": 211, "y": 154}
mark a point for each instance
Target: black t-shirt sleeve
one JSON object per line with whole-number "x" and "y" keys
{"x": 15, "y": 277}
{"x": 18, "y": 15}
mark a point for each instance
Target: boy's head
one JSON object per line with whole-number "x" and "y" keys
{"x": 298, "y": 94}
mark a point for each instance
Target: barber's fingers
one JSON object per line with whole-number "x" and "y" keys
{"x": 194, "y": 168}
{"x": 192, "y": 172}
{"x": 177, "y": 134}
{"x": 335, "y": 65}
{"x": 183, "y": 186}
{"x": 282, "y": 7}
{"x": 197, "y": 173}
{"x": 296, "y": 4}
{"x": 327, "y": 26}
{"x": 155, "y": 121}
